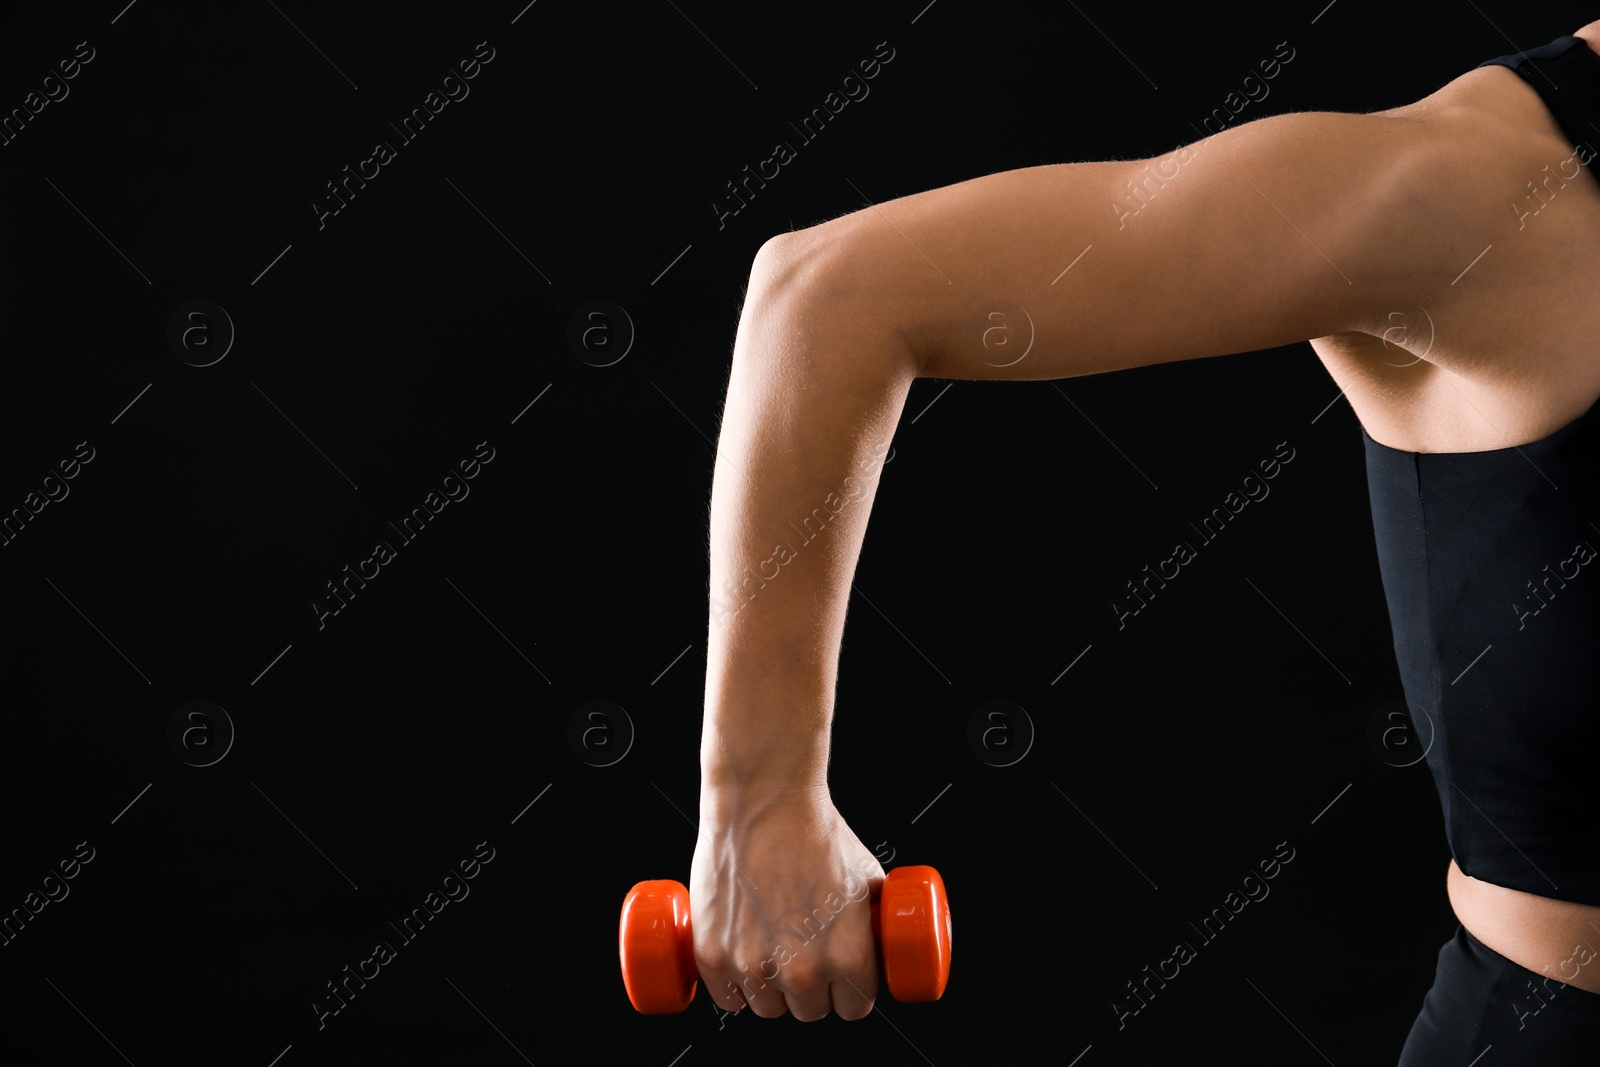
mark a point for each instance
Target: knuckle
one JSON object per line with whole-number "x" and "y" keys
{"x": 712, "y": 961}
{"x": 805, "y": 974}
{"x": 859, "y": 959}
{"x": 741, "y": 992}
{"x": 854, "y": 961}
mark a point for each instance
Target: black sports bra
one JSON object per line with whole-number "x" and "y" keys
{"x": 1491, "y": 569}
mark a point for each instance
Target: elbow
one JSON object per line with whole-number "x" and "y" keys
{"x": 815, "y": 289}
{"x": 790, "y": 266}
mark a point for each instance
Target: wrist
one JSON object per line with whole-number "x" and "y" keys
{"x": 735, "y": 787}
{"x": 765, "y": 741}
{"x": 765, "y": 745}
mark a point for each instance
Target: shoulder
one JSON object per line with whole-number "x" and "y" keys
{"x": 1456, "y": 172}
{"x": 1506, "y": 220}
{"x": 1397, "y": 202}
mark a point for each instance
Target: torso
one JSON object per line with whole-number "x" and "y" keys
{"x": 1507, "y": 355}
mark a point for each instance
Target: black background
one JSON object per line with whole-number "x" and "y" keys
{"x": 375, "y": 752}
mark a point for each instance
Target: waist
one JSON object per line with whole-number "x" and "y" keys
{"x": 1556, "y": 938}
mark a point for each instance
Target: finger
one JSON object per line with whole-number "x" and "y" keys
{"x": 768, "y": 1003}
{"x": 734, "y": 990}
{"x": 762, "y": 997}
{"x": 853, "y": 998}
{"x": 863, "y": 880}
{"x": 806, "y": 988}
{"x": 726, "y": 994}
{"x": 804, "y": 1009}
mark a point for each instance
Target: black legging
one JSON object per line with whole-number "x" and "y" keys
{"x": 1484, "y": 1005}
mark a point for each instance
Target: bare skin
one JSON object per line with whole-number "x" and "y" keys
{"x": 1362, "y": 234}
{"x": 1438, "y": 405}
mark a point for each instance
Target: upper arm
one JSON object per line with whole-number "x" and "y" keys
{"x": 1280, "y": 230}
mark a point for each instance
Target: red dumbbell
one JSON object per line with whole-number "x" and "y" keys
{"x": 910, "y": 927}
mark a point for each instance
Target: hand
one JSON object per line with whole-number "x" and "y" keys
{"x": 780, "y": 894}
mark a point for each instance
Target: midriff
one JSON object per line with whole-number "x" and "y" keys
{"x": 1555, "y": 938}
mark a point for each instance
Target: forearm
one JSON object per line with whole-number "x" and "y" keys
{"x": 814, "y": 396}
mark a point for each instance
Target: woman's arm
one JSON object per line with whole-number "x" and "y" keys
{"x": 1284, "y": 229}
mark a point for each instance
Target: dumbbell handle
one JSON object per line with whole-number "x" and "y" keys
{"x": 910, "y": 928}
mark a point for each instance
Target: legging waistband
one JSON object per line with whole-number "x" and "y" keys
{"x": 1482, "y": 1000}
